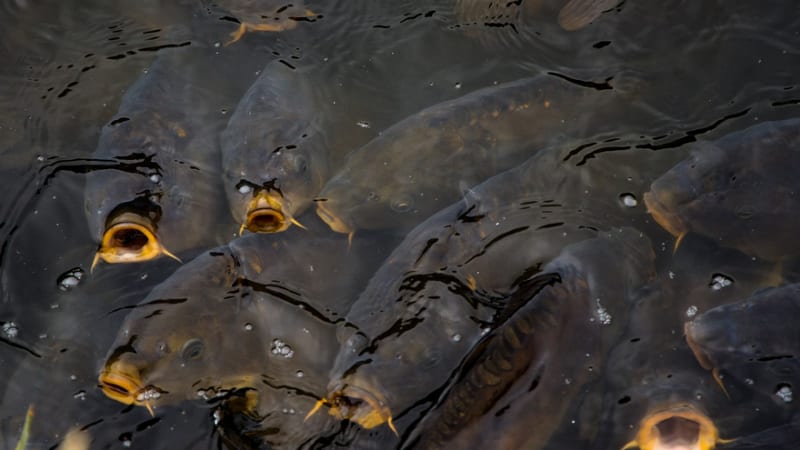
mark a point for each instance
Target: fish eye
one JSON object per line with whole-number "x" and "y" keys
{"x": 402, "y": 205}
{"x": 192, "y": 350}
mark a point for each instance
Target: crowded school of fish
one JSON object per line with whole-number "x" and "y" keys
{"x": 457, "y": 281}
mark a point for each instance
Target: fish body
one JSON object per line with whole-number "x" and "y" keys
{"x": 447, "y": 283}
{"x": 274, "y": 155}
{"x": 527, "y": 370}
{"x": 234, "y": 319}
{"x": 161, "y": 148}
{"x": 720, "y": 191}
{"x": 418, "y": 165}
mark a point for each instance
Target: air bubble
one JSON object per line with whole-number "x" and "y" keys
{"x": 691, "y": 311}
{"x": 719, "y": 281}
{"x": 280, "y": 348}
{"x": 10, "y": 330}
{"x": 602, "y": 314}
{"x": 363, "y": 124}
{"x": 155, "y": 178}
{"x": 248, "y": 327}
{"x": 70, "y": 279}
{"x": 244, "y": 189}
{"x": 749, "y": 381}
{"x": 80, "y": 395}
{"x": 458, "y": 85}
{"x": 456, "y": 337}
{"x": 299, "y": 374}
{"x": 628, "y": 200}
{"x": 784, "y": 393}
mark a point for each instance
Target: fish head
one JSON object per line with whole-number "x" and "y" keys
{"x": 673, "y": 194}
{"x": 677, "y": 427}
{"x": 272, "y": 175}
{"x": 189, "y": 335}
{"x": 347, "y": 206}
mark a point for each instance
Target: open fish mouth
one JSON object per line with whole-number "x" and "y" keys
{"x": 361, "y": 407}
{"x": 129, "y": 238}
{"x": 335, "y": 223}
{"x": 678, "y": 428}
{"x": 266, "y": 220}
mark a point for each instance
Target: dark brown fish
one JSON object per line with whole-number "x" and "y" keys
{"x": 274, "y": 154}
{"x": 753, "y": 342}
{"x": 447, "y": 283}
{"x": 527, "y": 371}
{"x": 740, "y": 190}
{"x": 160, "y": 180}
{"x": 233, "y": 319}
{"x": 421, "y": 164}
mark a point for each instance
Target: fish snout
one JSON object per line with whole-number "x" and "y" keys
{"x": 335, "y": 222}
{"x": 121, "y": 382}
{"x": 360, "y": 406}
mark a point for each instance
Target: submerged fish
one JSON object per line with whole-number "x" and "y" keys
{"x": 753, "y": 341}
{"x": 260, "y": 15}
{"x": 421, "y": 164}
{"x": 573, "y": 14}
{"x": 740, "y": 190}
{"x": 448, "y": 282}
{"x": 164, "y": 185}
{"x": 234, "y": 319}
{"x": 274, "y": 155}
{"x": 516, "y": 376}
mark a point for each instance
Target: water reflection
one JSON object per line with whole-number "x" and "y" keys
{"x": 433, "y": 295}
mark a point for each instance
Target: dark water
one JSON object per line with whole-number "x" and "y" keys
{"x": 705, "y": 69}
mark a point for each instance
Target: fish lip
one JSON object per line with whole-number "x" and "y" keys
{"x": 662, "y": 216}
{"x": 120, "y": 386}
{"x": 650, "y": 433}
{"x": 266, "y": 220}
{"x": 702, "y": 357}
{"x": 265, "y": 214}
{"x": 128, "y": 388}
{"x": 335, "y": 223}
{"x": 369, "y": 410}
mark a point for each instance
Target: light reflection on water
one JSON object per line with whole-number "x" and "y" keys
{"x": 704, "y": 68}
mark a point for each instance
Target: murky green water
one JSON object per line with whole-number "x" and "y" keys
{"x": 697, "y": 71}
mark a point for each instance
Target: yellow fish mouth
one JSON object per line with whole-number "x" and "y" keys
{"x": 130, "y": 238}
{"x": 265, "y": 214}
{"x": 123, "y": 383}
{"x": 361, "y": 407}
{"x": 335, "y": 223}
{"x": 678, "y": 427}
